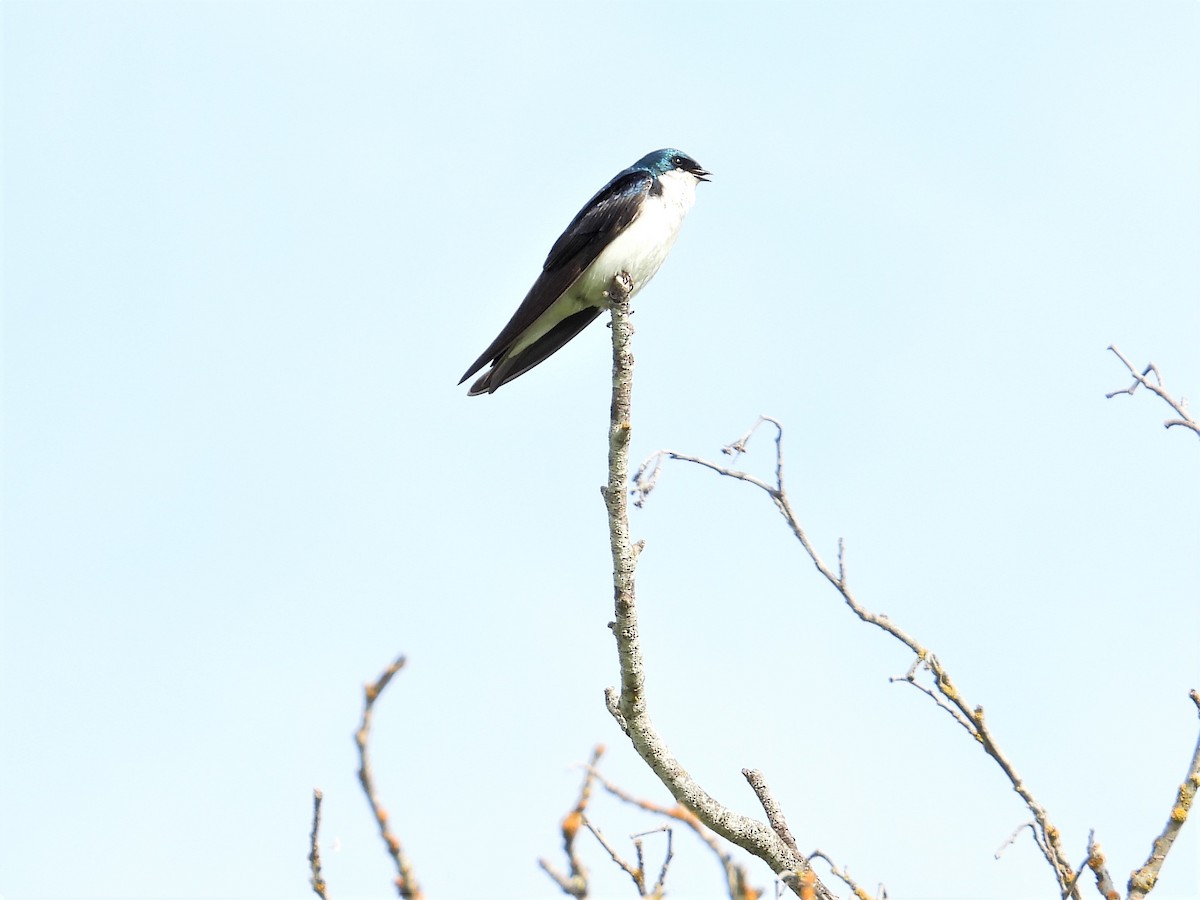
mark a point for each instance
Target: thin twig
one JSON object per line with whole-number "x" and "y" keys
{"x": 910, "y": 677}
{"x": 736, "y": 877}
{"x": 575, "y": 884}
{"x": 1074, "y": 879}
{"x": 1142, "y": 880}
{"x": 749, "y": 834}
{"x": 738, "y": 447}
{"x": 770, "y": 806}
{"x": 1095, "y": 862}
{"x": 1012, "y": 838}
{"x": 638, "y": 876}
{"x": 659, "y": 888}
{"x": 314, "y": 854}
{"x": 1185, "y": 420}
{"x": 943, "y": 691}
{"x": 844, "y": 876}
{"x": 406, "y": 881}
{"x": 562, "y": 880}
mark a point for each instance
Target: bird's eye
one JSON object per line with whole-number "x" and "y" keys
{"x": 678, "y": 160}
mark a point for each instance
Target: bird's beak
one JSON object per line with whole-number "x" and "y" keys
{"x": 702, "y": 175}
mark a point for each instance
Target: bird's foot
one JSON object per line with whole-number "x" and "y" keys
{"x": 622, "y": 286}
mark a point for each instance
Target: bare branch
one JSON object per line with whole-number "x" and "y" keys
{"x": 636, "y": 873}
{"x": 736, "y": 877}
{"x": 612, "y": 699}
{"x": 1185, "y": 420}
{"x": 802, "y": 884}
{"x": 406, "y": 882}
{"x": 659, "y": 888}
{"x": 576, "y": 883}
{"x": 943, "y": 691}
{"x": 770, "y": 806}
{"x": 910, "y": 677}
{"x": 1142, "y": 880}
{"x": 314, "y": 854}
{"x": 738, "y": 447}
{"x": 646, "y": 478}
{"x": 1095, "y": 862}
{"x": 748, "y": 833}
{"x": 1012, "y": 838}
{"x": 563, "y": 881}
{"x": 844, "y": 876}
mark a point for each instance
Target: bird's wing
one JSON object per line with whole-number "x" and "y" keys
{"x": 509, "y": 367}
{"x": 603, "y": 217}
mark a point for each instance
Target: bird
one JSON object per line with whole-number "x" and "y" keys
{"x": 627, "y": 229}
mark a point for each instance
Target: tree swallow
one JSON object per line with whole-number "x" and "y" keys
{"x": 629, "y": 226}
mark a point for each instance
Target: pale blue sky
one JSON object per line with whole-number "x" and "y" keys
{"x": 249, "y": 248}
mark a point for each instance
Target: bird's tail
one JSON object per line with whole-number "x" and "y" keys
{"x": 506, "y": 367}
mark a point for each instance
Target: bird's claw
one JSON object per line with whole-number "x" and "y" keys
{"x": 622, "y": 287}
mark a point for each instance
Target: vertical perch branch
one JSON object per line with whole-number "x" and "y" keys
{"x": 624, "y": 554}
{"x": 944, "y": 693}
{"x": 629, "y": 705}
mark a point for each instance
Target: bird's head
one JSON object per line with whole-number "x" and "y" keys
{"x": 660, "y": 162}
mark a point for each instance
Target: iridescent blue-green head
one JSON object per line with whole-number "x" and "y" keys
{"x": 660, "y": 162}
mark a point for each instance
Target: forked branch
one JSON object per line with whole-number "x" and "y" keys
{"x": 737, "y": 879}
{"x": 574, "y": 882}
{"x": 629, "y": 704}
{"x": 1156, "y": 386}
{"x": 941, "y": 690}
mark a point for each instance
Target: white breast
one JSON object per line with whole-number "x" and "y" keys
{"x": 642, "y": 247}
{"x": 638, "y": 250}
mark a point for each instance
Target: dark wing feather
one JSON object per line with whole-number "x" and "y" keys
{"x": 601, "y": 219}
{"x": 509, "y": 368}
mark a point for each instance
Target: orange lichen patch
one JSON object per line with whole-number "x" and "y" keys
{"x": 571, "y": 824}
{"x": 683, "y": 814}
{"x": 808, "y": 885}
{"x": 1187, "y": 793}
{"x": 1144, "y": 883}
